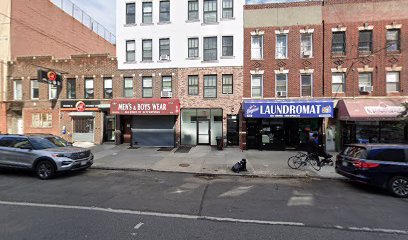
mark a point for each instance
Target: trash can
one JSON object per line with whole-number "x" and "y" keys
{"x": 220, "y": 143}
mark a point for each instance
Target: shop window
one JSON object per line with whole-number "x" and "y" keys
{"x": 338, "y": 82}
{"x": 210, "y": 86}
{"x": 35, "y": 91}
{"x": 192, "y": 85}
{"x": 364, "y": 80}
{"x": 147, "y": 50}
{"x": 89, "y": 88}
{"x": 130, "y": 13}
{"x": 227, "y": 84}
{"x": 189, "y": 126}
{"x": 394, "y": 132}
{"x": 210, "y": 48}
{"x": 71, "y": 88}
{"x": 41, "y": 120}
{"x": 368, "y": 132}
{"x": 306, "y": 43}
{"x": 339, "y": 43}
{"x": 393, "y": 40}
{"x": 128, "y": 87}
{"x": 227, "y": 46}
{"x": 306, "y": 85}
{"x": 393, "y": 81}
{"x": 18, "y": 90}
{"x": 130, "y": 51}
{"x": 257, "y": 47}
{"x": 52, "y": 91}
{"x": 193, "y": 48}
{"x": 281, "y": 85}
{"x": 216, "y": 125}
{"x": 193, "y": 10}
{"x": 83, "y": 125}
{"x": 107, "y": 88}
{"x": 210, "y": 11}
{"x": 164, "y": 11}
{"x": 227, "y": 8}
{"x": 147, "y": 85}
{"x": 281, "y": 46}
{"x": 365, "y": 41}
{"x": 256, "y": 86}
{"x": 164, "y": 49}
{"x": 166, "y": 84}
{"x": 147, "y": 12}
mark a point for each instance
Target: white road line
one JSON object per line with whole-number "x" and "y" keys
{"x": 196, "y": 217}
{"x": 235, "y": 192}
{"x": 138, "y": 225}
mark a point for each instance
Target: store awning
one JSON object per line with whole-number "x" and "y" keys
{"x": 370, "y": 109}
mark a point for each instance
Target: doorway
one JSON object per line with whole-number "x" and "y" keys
{"x": 203, "y": 131}
{"x": 232, "y": 130}
{"x": 109, "y": 133}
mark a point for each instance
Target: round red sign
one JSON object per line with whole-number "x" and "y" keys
{"x": 52, "y": 76}
{"x": 80, "y": 106}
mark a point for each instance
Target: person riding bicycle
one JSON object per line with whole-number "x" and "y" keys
{"x": 318, "y": 151}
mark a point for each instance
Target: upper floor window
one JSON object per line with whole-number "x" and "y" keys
{"x": 210, "y": 86}
{"x": 164, "y": 49}
{"x": 256, "y": 86}
{"x": 89, "y": 88}
{"x": 130, "y": 51}
{"x": 193, "y": 47}
{"x": 107, "y": 88}
{"x": 339, "y": 42}
{"x": 393, "y": 81}
{"x": 227, "y": 86}
{"x": 52, "y": 91}
{"x": 18, "y": 90}
{"x": 164, "y": 11}
{"x": 147, "y": 14}
{"x": 338, "y": 82}
{"x": 166, "y": 84}
{"x": 35, "y": 91}
{"x": 71, "y": 88}
{"x": 130, "y": 13}
{"x": 147, "y": 87}
{"x": 257, "y": 47}
{"x": 364, "y": 79}
{"x": 210, "y": 11}
{"x": 306, "y": 43}
{"x": 147, "y": 50}
{"x": 228, "y": 46}
{"x": 393, "y": 40}
{"x": 227, "y": 8}
{"x": 193, "y": 10}
{"x": 210, "y": 48}
{"x": 281, "y": 46}
{"x": 128, "y": 87}
{"x": 365, "y": 41}
{"x": 306, "y": 81}
{"x": 281, "y": 85}
{"x": 193, "y": 85}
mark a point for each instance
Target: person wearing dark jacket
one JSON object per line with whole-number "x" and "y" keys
{"x": 317, "y": 150}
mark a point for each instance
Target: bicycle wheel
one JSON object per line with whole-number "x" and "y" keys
{"x": 294, "y": 162}
{"x": 314, "y": 163}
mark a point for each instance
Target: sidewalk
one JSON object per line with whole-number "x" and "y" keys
{"x": 202, "y": 160}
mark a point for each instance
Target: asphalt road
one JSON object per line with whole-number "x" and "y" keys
{"x": 99, "y": 204}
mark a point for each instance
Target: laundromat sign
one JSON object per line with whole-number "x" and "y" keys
{"x": 289, "y": 109}
{"x": 145, "y": 106}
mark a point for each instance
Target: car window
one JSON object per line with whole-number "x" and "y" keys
{"x": 355, "y": 152}
{"x": 21, "y": 143}
{"x": 6, "y": 141}
{"x": 57, "y": 141}
{"x": 387, "y": 155}
{"x": 42, "y": 143}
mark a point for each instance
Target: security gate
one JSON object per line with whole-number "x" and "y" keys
{"x": 83, "y": 129}
{"x": 153, "y": 131}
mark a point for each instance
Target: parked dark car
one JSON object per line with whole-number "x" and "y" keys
{"x": 380, "y": 165}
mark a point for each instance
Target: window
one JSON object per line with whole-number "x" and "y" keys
{"x": 364, "y": 79}
{"x": 71, "y": 88}
{"x": 387, "y": 155}
{"x": 393, "y": 81}
{"x": 164, "y": 49}
{"x": 52, "y": 91}
{"x": 89, "y": 88}
{"x": 339, "y": 43}
{"x": 147, "y": 48}
{"x": 107, "y": 88}
{"x": 228, "y": 46}
{"x": 193, "y": 10}
{"x": 257, "y": 47}
{"x": 393, "y": 40}
{"x": 281, "y": 85}
{"x": 306, "y": 42}
{"x": 41, "y": 120}
{"x": 210, "y": 48}
{"x": 18, "y": 90}
{"x": 306, "y": 80}
{"x": 227, "y": 8}
{"x": 338, "y": 82}
{"x": 35, "y": 91}
{"x": 130, "y": 51}
{"x": 210, "y": 11}
{"x": 210, "y": 86}
{"x": 130, "y": 13}
{"x": 164, "y": 11}
{"x": 166, "y": 84}
{"x": 128, "y": 87}
{"x": 365, "y": 39}
{"x": 256, "y": 86}
{"x": 193, "y": 47}
{"x": 227, "y": 86}
{"x": 147, "y": 16}
{"x": 192, "y": 85}
{"x": 281, "y": 46}
{"x": 147, "y": 85}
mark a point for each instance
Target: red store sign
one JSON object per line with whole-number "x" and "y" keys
{"x": 145, "y": 106}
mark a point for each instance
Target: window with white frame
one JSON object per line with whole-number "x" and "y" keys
{"x": 393, "y": 40}
{"x": 147, "y": 87}
{"x": 128, "y": 87}
{"x": 227, "y": 84}
{"x": 338, "y": 82}
{"x": 193, "y": 85}
{"x": 306, "y": 81}
{"x": 227, "y": 46}
{"x": 164, "y": 49}
{"x": 107, "y": 88}
{"x": 193, "y": 48}
{"x": 35, "y": 91}
{"x": 281, "y": 84}
{"x": 210, "y": 86}
{"x": 147, "y": 12}
{"x": 393, "y": 81}
{"x": 257, "y": 47}
{"x": 339, "y": 43}
{"x": 210, "y": 48}
{"x": 130, "y": 51}
{"x": 166, "y": 83}
{"x": 130, "y": 13}
{"x": 210, "y": 11}
{"x": 227, "y": 8}
{"x": 365, "y": 41}
{"x": 193, "y": 10}
{"x": 41, "y": 120}
{"x": 164, "y": 11}
{"x": 364, "y": 79}
{"x": 18, "y": 90}
{"x": 281, "y": 46}
{"x": 52, "y": 91}
{"x": 256, "y": 86}
{"x": 306, "y": 45}
{"x": 147, "y": 50}
{"x": 89, "y": 88}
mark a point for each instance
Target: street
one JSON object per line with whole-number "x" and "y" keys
{"x": 99, "y": 204}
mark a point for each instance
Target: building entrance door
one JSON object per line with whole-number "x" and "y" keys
{"x": 203, "y": 131}
{"x": 109, "y": 133}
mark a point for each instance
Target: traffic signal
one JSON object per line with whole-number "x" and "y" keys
{"x": 49, "y": 76}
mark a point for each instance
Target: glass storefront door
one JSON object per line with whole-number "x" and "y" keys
{"x": 203, "y": 131}
{"x": 109, "y": 133}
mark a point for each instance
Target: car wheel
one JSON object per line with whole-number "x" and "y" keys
{"x": 398, "y": 186}
{"x": 45, "y": 170}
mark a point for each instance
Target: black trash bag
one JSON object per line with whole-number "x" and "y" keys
{"x": 237, "y": 167}
{"x": 243, "y": 163}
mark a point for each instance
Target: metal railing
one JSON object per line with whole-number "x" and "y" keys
{"x": 77, "y": 13}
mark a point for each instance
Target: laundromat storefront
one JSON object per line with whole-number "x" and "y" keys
{"x": 146, "y": 122}
{"x": 283, "y": 124}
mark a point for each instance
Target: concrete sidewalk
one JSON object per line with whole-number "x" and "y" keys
{"x": 202, "y": 160}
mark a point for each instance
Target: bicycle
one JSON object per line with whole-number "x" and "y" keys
{"x": 302, "y": 159}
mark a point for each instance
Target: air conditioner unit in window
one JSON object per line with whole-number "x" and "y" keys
{"x": 307, "y": 53}
{"x": 166, "y": 94}
{"x": 164, "y": 57}
{"x": 281, "y": 93}
{"x": 366, "y": 88}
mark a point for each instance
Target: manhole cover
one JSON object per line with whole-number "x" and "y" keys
{"x": 184, "y": 165}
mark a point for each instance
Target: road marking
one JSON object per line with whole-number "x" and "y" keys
{"x": 208, "y": 218}
{"x": 138, "y": 225}
{"x": 235, "y": 192}
{"x": 301, "y": 199}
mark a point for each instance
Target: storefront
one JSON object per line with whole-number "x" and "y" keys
{"x": 372, "y": 121}
{"x": 283, "y": 124}
{"x": 146, "y": 122}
